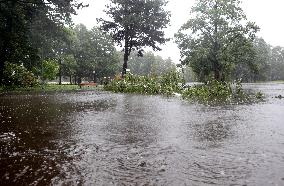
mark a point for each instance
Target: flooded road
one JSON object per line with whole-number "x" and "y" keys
{"x": 101, "y": 138}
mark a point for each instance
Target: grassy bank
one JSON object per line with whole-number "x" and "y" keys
{"x": 49, "y": 88}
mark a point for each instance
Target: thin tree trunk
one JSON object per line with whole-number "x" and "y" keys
{"x": 60, "y": 72}
{"x": 79, "y": 80}
{"x": 127, "y": 51}
{"x": 125, "y": 59}
{"x": 216, "y": 65}
{"x": 217, "y": 75}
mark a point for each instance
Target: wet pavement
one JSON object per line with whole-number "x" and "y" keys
{"x": 101, "y": 138}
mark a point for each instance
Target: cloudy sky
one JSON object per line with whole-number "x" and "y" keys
{"x": 268, "y": 14}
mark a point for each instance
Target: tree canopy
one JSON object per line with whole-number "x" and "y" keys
{"x": 216, "y": 38}
{"x": 135, "y": 24}
{"x": 18, "y": 21}
{"x": 94, "y": 51}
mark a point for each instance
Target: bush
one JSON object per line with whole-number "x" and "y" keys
{"x": 15, "y": 76}
{"x": 167, "y": 84}
{"x": 214, "y": 92}
{"x": 210, "y": 92}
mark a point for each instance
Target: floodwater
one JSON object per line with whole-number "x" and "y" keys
{"x": 101, "y": 138}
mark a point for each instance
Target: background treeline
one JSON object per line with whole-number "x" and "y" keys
{"x": 268, "y": 63}
{"x": 81, "y": 53}
{"x": 150, "y": 64}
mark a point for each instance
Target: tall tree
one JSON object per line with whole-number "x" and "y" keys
{"x": 135, "y": 24}
{"x": 216, "y": 38}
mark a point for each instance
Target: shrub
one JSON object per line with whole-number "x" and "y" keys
{"x": 167, "y": 84}
{"x": 214, "y": 92}
{"x": 18, "y": 76}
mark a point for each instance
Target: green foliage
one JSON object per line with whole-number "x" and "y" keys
{"x": 171, "y": 82}
{"x": 136, "y": 24}
{"x": 94, "y": 51}
{"x": 69, "y": 66}
{"x": 18, "y": 76}
{"x": 213, "y": 92}
{"x": 216, "y": 92}
{"x": 167, "y": 84}
{"x": 259, "y": 96}
{"x": 216, "y": 39}
{"x": 25, "y": 28}
{"x": 50, "y": 69}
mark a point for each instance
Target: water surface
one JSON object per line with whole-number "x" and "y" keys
{"x": 101, "y": 138}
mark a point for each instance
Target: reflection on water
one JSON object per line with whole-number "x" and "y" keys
{"x": 100, "y": 138}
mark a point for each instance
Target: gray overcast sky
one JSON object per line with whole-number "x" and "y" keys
{"x": 268, "y": 15}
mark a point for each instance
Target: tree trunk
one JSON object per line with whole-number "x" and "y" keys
{"x": 70, "y": 79}
{"x": 216, "y": 48}
{"x": 217, "y": 75}
{"x": 60, "y": 72}
{"x": 79, "y": 79}
{"x": 125, "y": 59}
{"x": 127, "y": 51}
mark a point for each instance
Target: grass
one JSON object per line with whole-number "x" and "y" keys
{"x": 44, "y": 88}
{"x": 51, "y": 88}
{"x": 58, "y": 87}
